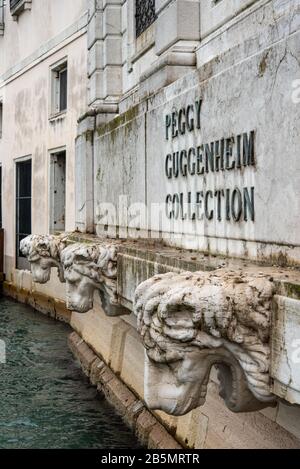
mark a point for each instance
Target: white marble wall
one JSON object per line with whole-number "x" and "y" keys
{"x": 104, "y": 51}
{"x": 256, "y": 95}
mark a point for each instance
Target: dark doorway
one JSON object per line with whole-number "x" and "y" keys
{"x": 23, "y": 209}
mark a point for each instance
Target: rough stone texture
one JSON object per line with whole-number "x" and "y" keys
{"x": 132, "y": 413}
{"x": 44, "y": 252}
{"x": 85, "y": 268}
{"x": 144, "y": 424}
{"x": 89, "y": 268}
{"x": 96, "y": 370}
{"x": 114, "y": 340}
{"x": 118, "y": 341}
{"x": 104, "y": 52}
{"x": 248, "y": 61}
{"x": 285, "y": 346}
{"x": 132, "y": 410}
{"x": 119, "y": 396}
{"x": 84, "y": 197}
{"x": 227, "y": 430}
{"x": 27, "y": 54}
{"x": 128, "y": 168}
{"x": 256, "y": 66}
{"x": 243, "y": 114}
{"x": 288, "y": 417}
{"x": 159, "y": 438}
{"x": 132, "y": 370}
{"x": 73, "y": 342}
{"x": 191, "y": 321}
{"x": 106, "y": 376}
{"x": 179, "y": 20}
{"x": 84, "y": 354}
{"x": 97, "y": 332}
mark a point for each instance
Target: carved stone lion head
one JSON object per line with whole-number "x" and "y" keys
{"x": 90, "y": 267}
{"x": 192, "y": 321}
{"x": 44, "y": 252}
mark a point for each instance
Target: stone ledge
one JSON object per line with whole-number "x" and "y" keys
{"x": 45, "y": 304}
{"x": 286, "y": 277}
{"x": 84, "y": 354}
{"x": 148, "y": 430}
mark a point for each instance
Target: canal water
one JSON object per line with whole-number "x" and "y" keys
{"x": 46, "y": 401}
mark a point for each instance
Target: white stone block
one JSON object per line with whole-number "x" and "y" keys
{"x": 96, "y": 57}
{"x": 289, "y": 418}
{"x": 180, "y": 21}
{"x": 122, "y": 164}
{"x": 94, "y": 5}
{"x": 215, "y": 14}
{"x": 95, "y": 29}
{"x": 112, "y": 51}
{"x": 96, "y": 87}
{"x": 112, "y": 76}
{"x": 84, "y": 197}
{"x": 285, "y": 345}
{"x": 112, "y": 20}
{"x": 132, "y": 371}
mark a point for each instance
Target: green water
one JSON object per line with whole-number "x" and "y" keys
{"x": 46, "y": 402}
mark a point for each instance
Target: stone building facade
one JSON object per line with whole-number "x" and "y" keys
{"x": 163, "y": 138}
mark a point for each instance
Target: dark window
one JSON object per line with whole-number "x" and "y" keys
{"x": 63, "y": 84}
{"x": 23, "y": 209}
{"x": 1, "y": 118}
{"x": 144, "y": 15}
{"x": 0, "y": 196}
{"x": 1, "y": 18}
{"x": 59, "y": 88}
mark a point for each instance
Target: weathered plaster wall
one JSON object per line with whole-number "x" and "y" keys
{"x": 28, "y": 129}
{"x": 44, "y": 25}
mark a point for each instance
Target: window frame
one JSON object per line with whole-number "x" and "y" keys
{"x": 51, "y": 225}
{"x": 1, "y": 195}
{"x": 1, "y": 118}
{"x": 137, "y": 46}
{"x": 56, "y": 71}
{"x": 60, "y": 72}
{"x": 1, "y": 17}
{"x": 19, "y": 7}
{"x": 21, "y": 262}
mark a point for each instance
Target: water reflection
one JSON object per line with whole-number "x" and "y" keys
{"x": 46, "y": 402}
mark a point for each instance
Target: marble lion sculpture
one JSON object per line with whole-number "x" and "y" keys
{"x": 192, "y": 321}
{"x": 90, "y": 267}
{"x": 44, "y": 252}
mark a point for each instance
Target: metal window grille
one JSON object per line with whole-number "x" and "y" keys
{"x": 2, "y": 4}
{"x": 14, "y": 3}
{"x": 144, "y": 15}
